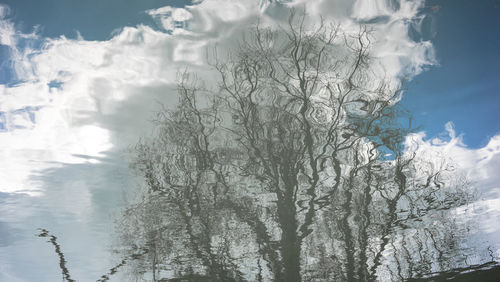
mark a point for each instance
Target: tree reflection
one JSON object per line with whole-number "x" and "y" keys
{"x": 293, "y": 170}
{"x": 57, "y": 248}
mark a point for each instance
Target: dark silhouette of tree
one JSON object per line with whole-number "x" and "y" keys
{"x": 293, "y": 169}
{"x": 62, "y": 261}
{"x": 44, "y": 233}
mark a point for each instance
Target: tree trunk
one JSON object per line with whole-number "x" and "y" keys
{"x": 290, "y": 243}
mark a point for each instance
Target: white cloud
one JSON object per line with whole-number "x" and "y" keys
{"x": 84, "y": 98}
{"x": 7, "y": 34}
{"x": 97, "y": 81}
{"x": 477, "y": 164}
{"x": 480, "y": 166}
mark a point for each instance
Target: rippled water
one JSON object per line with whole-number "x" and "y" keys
{"x": 81, "y": 202}
{"x": 78, "y": 209}
{"x": 294, "y": 180}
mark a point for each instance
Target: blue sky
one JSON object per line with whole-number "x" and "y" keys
{"x": 465, "y": 87}
{"x": 71, "y": 107}
{"x": 93, "y": 19}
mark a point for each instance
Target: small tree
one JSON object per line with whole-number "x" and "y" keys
{"x": 284, "y": 172}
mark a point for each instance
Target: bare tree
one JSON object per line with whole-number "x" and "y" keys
{"x": 293, "y": 170}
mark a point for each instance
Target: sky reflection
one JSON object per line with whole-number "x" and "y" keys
{"x": 80, "y": 83}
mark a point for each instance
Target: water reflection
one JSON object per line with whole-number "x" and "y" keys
{"x": 62, "y": 261}
{"x": 76, "y": 206}
{"x": 278, "y": 176}
{"x": 281, "y": 175}
{"x": 489, "y": 271}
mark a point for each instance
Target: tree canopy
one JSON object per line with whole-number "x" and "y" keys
{"x": 292, "y": 169}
